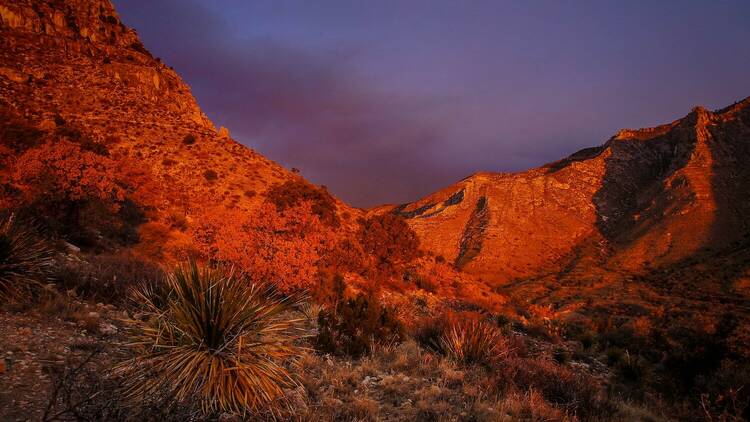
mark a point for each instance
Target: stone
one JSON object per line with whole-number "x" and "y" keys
{"x": 108, "y": 329}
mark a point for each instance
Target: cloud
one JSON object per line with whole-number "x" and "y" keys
{"x": 302, "y": 109}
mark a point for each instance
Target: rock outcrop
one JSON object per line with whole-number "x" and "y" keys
{"x": 76, "y": 62}
{"x": 646, "y": 198}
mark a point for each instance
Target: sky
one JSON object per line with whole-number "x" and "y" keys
{"x": 385, "y": 101}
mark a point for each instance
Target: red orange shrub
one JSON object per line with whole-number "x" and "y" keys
{"x": 63, "y": 171}
{"x": 388, "y": 240}
{"x": 280, "y": 248}
{"x": 296, "y": 192}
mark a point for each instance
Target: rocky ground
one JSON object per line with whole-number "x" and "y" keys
{"x": 38, "y": 346}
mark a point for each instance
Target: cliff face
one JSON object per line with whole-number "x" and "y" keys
{"x": 73, "y": 63}
{"x": 644, "y": 199}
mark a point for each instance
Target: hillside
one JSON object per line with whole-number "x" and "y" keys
{"x": 105, "y": 146}
{"x": 76, "y": 64}
{"x": 646, "y": 199}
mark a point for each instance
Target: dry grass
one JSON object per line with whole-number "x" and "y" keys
{"x": 214, "y": 337}
{"x": 474, "y": 342}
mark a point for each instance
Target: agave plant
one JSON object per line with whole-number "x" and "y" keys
{"x": 474, "y": 342}
{"x": 25, "y": 259}
{"x": 213, "y": 336}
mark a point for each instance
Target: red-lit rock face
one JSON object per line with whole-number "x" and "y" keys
{"x": 75, "y": 61}
{"x": 645, "y": 198}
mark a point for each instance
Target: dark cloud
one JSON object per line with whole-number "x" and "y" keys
{"x": 303, "y": 110}
{"x": 388, "y": 101}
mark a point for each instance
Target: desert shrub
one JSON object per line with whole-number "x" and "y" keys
{"x": 86, "y": 198}
{"x": 576, "y": 393}
{"x": 25, "y": 259}
{"x": 632, "y": 368}
{"x": 188, "y": 139}
{"x": 354, "y": 326}
{"x": 388, "y": 240}
{"x": 428, "y": 332}
{"x": 282, "y": 249}
{"x": 421, "y": 280}
{"x": 214, "y": 336}
{"x": 561, "y": 355}
{"x": 107, "y": 278}
{"x": 294, "y": 192}
{"x": 210, "y": 175}
{"x": 474, "y": 342}
{"x": 614, "y": 355}
{"x": 17, "y": 134}
{"x": 74, "y": 135}
{"x": 63, "y": 170}
{"x": 346, "y": 256}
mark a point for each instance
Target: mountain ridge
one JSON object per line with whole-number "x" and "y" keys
{"x": 599, "y": 191}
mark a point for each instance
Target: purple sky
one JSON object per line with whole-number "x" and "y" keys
{"x": 389, "y": 100}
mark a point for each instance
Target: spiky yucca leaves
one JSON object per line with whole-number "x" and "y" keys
{"x": 474, "y": 342}
{"x": 25, "y": 259}
{"x": 213, "y": 336}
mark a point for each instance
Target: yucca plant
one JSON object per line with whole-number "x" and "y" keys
{"x": 25, "y": 259}
{"x": 474, "y": 342}
{"x": 213, "y": 336}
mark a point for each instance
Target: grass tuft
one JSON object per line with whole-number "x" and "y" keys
{"x": 474, "y": 342}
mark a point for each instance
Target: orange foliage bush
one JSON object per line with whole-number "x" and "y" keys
{"x": 280, "y": 248}
{"x": 388, "y": 240}
{"x": 296, "y": 192}
{"x": 63, "y": 171}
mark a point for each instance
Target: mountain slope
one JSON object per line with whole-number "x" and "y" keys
{"x": 646, "y": 198}
{"x": 75, "y": 62}
{"x": 105, "y": 146}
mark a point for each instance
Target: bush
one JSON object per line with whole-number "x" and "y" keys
{"x": 632, "y": 368}
{"x": 389, "y": 240}
{"x": 561, "y": 355}
{"x": 107, "y": 278}
{"x": 188, "y": 139}
{"x": 294, "y": 192}
{"x": 25, "y": 260}
{"x": 18, "y": 135}
{"x": 577, "y": 394}
{"x": 474, "y": 342}
{"x": 210, "y": 175}
{"x": 428, "y": 332}
{"x": 354, "y": 326}
{"x": 215, "y": 336}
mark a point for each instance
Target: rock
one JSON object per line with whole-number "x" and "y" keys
{"x": 14, "y": 75}
{"x": 71, "y": 247}
{"x": 107, "y": 329}
{"x": 47, "y": 124}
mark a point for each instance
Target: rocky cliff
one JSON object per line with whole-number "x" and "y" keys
{"x": 646, "y": 199}
{"x": 74, "y": 63}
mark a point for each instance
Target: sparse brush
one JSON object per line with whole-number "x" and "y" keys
{"x": 474, "y": 342}
{"x": 311, "y": 310}
{"x": 213, "y": 336}
{"x": 25, "y": 259}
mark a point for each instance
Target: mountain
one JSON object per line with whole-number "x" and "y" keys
{"x": 105, "y": 147}
{"x": 75, "y": 64}
{"x": 646, "y": 202}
